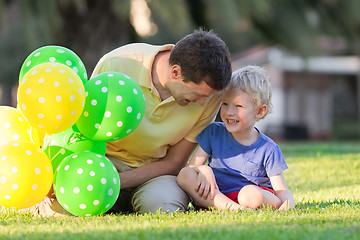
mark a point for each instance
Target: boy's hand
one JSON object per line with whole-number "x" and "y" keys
{"x": 285, "y": 206}
{"x": 206, "y": 182}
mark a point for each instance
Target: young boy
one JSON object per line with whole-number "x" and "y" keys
{"x": 245, "y": 166}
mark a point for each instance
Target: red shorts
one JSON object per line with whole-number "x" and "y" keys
{"x": 234, "y": 195}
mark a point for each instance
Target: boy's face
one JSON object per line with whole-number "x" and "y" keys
{"x": 238, "y": 111}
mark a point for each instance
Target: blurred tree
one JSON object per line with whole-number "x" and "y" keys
{"x": 88, "y": 27}
{"x": 12, "y": 46}
{"x": 173, "y": 21}
{"x": 92, "y": 27}
{"x": 197, "y": 11}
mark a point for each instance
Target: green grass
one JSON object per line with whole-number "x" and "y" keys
{"x": 324, "y": 178}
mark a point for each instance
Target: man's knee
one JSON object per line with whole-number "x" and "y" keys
{"x": 160, "y": 194}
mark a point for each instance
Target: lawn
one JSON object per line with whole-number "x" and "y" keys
{"x": 324, "y": 178}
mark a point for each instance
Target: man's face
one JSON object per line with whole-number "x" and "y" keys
{"x": 186, "y": 92}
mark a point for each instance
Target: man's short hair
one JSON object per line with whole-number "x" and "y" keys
{"x": 203, "y": 54}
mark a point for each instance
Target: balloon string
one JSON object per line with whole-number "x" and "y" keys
{"x": 31, "y": 135}
{"x": 56, "y": 153}
{"x": 73, "y": 138}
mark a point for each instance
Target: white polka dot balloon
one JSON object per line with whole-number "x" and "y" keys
{"x": 25, "y": 174}
{"x": 86, "y": 184}
{"x": 51, "y": 96}
{"x": 114, "y": 107}
{"x": 55, "y": 54}
{"x": 14, "y": 127}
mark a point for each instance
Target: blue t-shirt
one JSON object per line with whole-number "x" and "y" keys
{"x": 236, "y": 165}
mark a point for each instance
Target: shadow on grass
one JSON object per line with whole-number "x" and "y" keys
{"x": 302, "y": 223}
{"x": 313, "y": 229}
{"x": 327, "y": 204}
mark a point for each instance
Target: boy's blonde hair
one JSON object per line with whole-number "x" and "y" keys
{"x": 254, "y": 81}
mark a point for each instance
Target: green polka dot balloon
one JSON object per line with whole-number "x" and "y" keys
{"x": 86, "y": 184}
{"x": 114, "y": 107}
{"x": 59, "y": 145}
{"x": 57, "y": 54}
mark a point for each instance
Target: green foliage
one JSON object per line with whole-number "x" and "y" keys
{"x": 346, "y": 130}
{"x": 322, "y": 176}
{"x": 92, "y": 28}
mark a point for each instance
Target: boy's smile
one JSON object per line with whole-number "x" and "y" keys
{"x": 239, "y": 114}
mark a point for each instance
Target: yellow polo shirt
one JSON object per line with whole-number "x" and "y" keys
{"x": 164, "y": 123}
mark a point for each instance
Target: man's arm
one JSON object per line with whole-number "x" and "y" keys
{"x": 175, "y": 159}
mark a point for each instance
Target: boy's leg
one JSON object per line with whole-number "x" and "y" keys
{"x": 254, "y": 197}
{"x": 160, "y": 194}
{"x": 187, "y": 179}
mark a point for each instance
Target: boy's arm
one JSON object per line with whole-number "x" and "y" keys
{"x": 281, "y": 189}
{"x": 206, "y": 183}
{"x": 199, "y": 157}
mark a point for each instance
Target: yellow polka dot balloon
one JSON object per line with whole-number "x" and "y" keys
{"x": 13, "y": 127}
{"x": 25, "y": 174}
{"x": 51, "y": 96}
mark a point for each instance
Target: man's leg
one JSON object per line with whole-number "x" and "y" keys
{"x": 48, "y": 207}
{"x": 161, "y": 193}
{"x": 123, "y": 203}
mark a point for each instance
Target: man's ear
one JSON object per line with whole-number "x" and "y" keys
{"x": 176, "y": 71}
{"x": 261, "y": 112}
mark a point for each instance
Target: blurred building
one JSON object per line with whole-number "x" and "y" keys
{"x": 315, "y": 98}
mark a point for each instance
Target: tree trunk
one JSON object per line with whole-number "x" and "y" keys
{"x": 6, "y": 95}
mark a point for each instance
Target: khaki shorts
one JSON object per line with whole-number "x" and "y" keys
{"x": 160, "y": 194}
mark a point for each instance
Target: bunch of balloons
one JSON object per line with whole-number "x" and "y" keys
{"x": 57, "y": 134}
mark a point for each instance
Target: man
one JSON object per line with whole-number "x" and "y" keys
{"x": 181, "y": 86}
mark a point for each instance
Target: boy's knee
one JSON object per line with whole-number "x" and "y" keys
{"x": 184, "y": 176}
{"x": 250, "y": 196}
